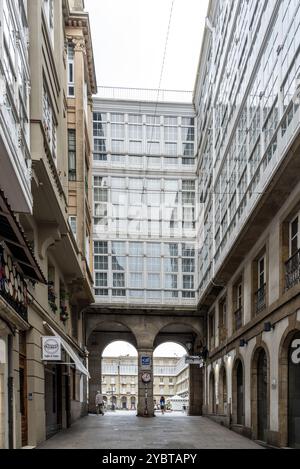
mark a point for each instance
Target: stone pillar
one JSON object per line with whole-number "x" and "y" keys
{"x": 95, "y": 383}
{"x": 145, "y": 407}
{"x": 196, "y": 390}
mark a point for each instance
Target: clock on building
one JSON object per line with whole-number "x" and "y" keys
{"x": 146, "y": 377}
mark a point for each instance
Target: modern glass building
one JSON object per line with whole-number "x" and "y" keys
{"x": 145, "y": 194}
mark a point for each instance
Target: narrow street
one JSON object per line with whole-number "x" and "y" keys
{"x": 119, "y": 430}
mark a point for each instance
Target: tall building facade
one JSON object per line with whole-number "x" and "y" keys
{"x": 144, "y": 202}
{"x": 248, "y": 258}
{"x": 45, "y": 281}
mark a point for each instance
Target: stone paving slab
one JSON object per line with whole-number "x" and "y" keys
{"x": 123, "y": 430}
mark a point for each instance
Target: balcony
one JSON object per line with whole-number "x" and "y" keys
{"x": 260, "y": 299}
{"x": 292, "y": 271}
{"x": 238, "y": 318}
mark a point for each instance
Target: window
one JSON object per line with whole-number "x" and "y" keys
{"x": 49, "y": 14}
{"x": 223, "y": 319}
{"x": 71, "y": 71}
{"x": 49, "y": 122}
{"x": 101, "y": 279}
{"x": 73, "y": 225}
{"x": 294, "y": 230}
{"x": 154, "y": 281}
{"x": 153, "y": 264}
{"x": 261, "y": 272}
{"x": 188, "y": 282}
{"x": 100, "y": 136}
{"x": 153, "y": 249}
{"x": 211, "y": 331}
{"x": 72, "y": 154}
{"x": 188, "y": 265}
{"x": 136, "y": 280}
{"x": 171, "y": 281}
{"x": 101, "y": 264}
{"x": 136, "y": 249}
{"x": 118, "y": 280}
{"x": 238, "y": 303}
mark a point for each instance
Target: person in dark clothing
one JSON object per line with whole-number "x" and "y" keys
{"x": 162, "y": 403}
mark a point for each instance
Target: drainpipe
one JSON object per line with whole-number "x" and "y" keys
{"x": 10, "y": 386}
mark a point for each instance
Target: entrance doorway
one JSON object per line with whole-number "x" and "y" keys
{"x": 124, "y": 402}
{"x": 23, "y": 388}
{"x": 23, "y": 400}
{"x": 293, "y": 396}
{"x": 239, "y": 393}
{"x": 53, "y": 399}
{"x": 262, "y": 395}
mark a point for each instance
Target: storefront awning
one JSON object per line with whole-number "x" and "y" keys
{"x": 13, "y": 235}
{"x": 70, "y": 351}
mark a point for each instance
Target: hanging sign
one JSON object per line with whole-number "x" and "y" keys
{"x": 51, "y": 348}
{"x": 193, "y": 360}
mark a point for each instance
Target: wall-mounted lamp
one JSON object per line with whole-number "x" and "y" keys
{"x": 243, "y": 343}
{"x": 268, "y": 326}
{"x": 189, "y": 346}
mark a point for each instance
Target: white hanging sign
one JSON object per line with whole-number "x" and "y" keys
{"x": 51, "y": 348}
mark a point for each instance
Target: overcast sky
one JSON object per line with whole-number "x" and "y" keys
{"x": 168, "y": 349}
{"x": 129, "y": 40}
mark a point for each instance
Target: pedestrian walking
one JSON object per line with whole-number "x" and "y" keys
{"x": 99, "y": 403}
{"x": 162, "y": 403}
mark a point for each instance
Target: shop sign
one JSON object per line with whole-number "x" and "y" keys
{"x": 51, "y": 348}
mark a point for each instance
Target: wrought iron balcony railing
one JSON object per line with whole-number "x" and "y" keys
{"x": 292, "y": 270}
{"x": 260, "y": 299}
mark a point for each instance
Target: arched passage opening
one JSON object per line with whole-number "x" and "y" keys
{"x": 238, "y": 393}
{"x": 289, "y": 390}
{"x": 212, "y": 393}
{"x": 223, "y": 402}
{"x": 170, "y": 378}
{"x": 103, "y": 334}
{"x": 189, "y": 336}
{"x": 260, "y": 383}
{"x": 119, "y": 376}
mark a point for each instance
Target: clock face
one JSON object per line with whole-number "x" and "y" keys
{"x": 146, "y": 377}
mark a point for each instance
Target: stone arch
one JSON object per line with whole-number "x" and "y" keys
{"x": 107, "y": 324}
{"x": 105, "y": 331}
{"x": 181, "y": 332}
{"x": 222, "y": 390}
{"x": 283, "y": 380}
{"x": 238, "y": 391}
{"x": 260, "y": 403}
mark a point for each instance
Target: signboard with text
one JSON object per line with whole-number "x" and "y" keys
{"x": 146, "y": 362}
{"x": 193, "y": 360}
{"x": 51, "y": 348}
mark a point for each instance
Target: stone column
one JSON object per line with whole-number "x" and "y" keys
{"x": 196, "y": 390}
{"x": 95, "y": 383}
{"x": 145, "y": 407}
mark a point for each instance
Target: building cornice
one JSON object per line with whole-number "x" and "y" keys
{"x": 80, "y": 20}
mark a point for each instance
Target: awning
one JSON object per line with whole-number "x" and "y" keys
{"x": 13, "y": 235}
{"x": 72, "y": 354}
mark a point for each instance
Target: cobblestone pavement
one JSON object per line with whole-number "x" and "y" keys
{"x": 120, "y": 430}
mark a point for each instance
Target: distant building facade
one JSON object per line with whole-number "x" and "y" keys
{"x": 120, "y": 380}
